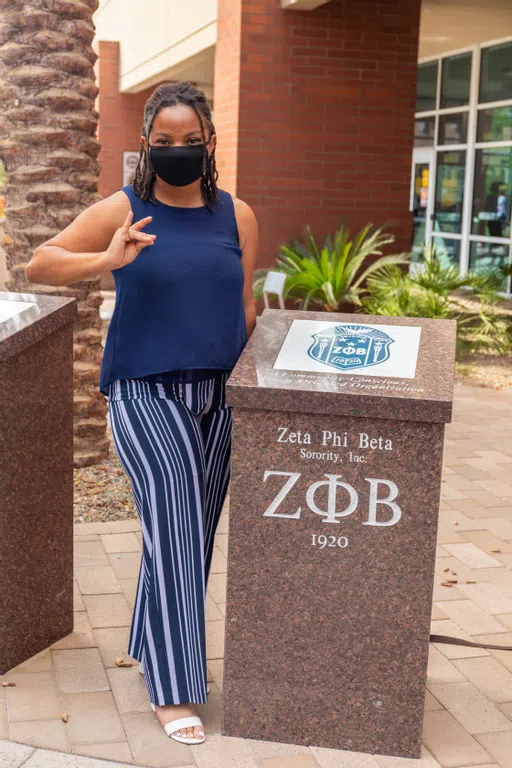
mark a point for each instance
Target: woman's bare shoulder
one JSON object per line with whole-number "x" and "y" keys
{"x": 243, "y": 210}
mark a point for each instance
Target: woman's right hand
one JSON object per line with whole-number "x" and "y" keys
{"x": 127, "y": 242}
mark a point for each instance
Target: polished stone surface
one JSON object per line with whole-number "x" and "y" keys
{"x": 9, "y": 309}
{"x": 36, "y": 476}
{"x": 319, "y": 388}
{"x": 39, "y": 316}
{"x": 333, "y": 527}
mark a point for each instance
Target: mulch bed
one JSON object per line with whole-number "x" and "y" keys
{"x": 103, "y": 492}
{"x": 488, "y": 371}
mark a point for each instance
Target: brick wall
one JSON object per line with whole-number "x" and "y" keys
{"x": 322, "y": 129}
{"x": 227, "y": 96}
{"x": 120, "y": 123}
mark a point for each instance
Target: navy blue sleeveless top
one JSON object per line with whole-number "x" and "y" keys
{"x": 179, "y": 304}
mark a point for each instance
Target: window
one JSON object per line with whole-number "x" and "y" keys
{"x": 487, "y": 257}
{"x": 453, "y": 128}
{"x": 455, "y": 80}
{"x": 450, "y": 173}
{"x": 420, "y": 205}
{"x": 461, "y": 185}
{"x": 492, "y": 192}
{"x": 447, "y": 250}
{"x": 495, "y": 124}
{"x": 424, "y": 129}
{"x": 426, "y": 87}
{"x": 496, "y": 73}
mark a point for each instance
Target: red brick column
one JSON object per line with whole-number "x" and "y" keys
{"x": 227, "y": 91}
{"x": 314, "y": 114}
{"x": 120, "y": 123}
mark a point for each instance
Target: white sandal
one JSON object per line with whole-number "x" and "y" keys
{"x": 182, "y": 722}
{"x": 141, "y": 670}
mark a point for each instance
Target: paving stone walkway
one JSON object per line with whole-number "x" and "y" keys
{"x": 468, "y": 717}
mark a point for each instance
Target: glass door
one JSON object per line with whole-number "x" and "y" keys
{"x": 449, "y": 205}
{"x": 422, "y": 199}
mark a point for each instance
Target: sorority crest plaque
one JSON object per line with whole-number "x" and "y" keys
{"x": 354, "y": 348}
{"x": 347, "y": 347}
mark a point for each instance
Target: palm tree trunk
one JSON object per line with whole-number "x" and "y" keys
{"x": 49, "y": 149}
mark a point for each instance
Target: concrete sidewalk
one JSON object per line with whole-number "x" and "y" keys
{"x": 468, "y": 717}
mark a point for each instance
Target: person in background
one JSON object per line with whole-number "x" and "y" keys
{"x": 496, "y": 203}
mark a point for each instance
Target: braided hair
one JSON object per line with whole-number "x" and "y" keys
{"x": 169, "y": 95}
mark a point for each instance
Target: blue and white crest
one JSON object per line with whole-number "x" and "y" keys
{"x": 347, "y": 347}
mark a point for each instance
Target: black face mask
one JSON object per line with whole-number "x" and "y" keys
{"x": 178, "y": 166}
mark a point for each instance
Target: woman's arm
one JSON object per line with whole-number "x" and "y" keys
{"x": 248, "y": 232}
{"x": 78, "y": 252}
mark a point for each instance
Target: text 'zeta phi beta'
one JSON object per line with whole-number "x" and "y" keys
{"x": 340, "y": 498}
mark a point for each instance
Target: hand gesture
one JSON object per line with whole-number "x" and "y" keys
{"x": 127, "y": 242}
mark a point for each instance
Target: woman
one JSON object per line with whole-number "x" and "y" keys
{"x": 184, "y": 311}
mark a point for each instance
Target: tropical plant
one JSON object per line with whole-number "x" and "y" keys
{"x": 332, "y": 275}
{"x": 434, "y": 274}
{"x": 429, "y": 292}
{"x": 505, "y": 270}
{"x": 49, "y": 151}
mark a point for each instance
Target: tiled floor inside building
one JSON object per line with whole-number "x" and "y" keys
{"x": 468, "y": 708}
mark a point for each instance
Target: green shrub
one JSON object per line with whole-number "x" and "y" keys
{"x": 428, "y": 292}
{"x": 333, "y": 275}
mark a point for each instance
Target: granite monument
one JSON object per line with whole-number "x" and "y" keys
{"x": 36, "y": 473}
{"x": 338, "y": 425}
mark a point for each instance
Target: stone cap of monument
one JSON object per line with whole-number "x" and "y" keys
{"x": 26, "y": 318}
{"x": 277, "y": 375}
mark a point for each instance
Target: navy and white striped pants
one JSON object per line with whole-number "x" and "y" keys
{"x": 173, "y": 438}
